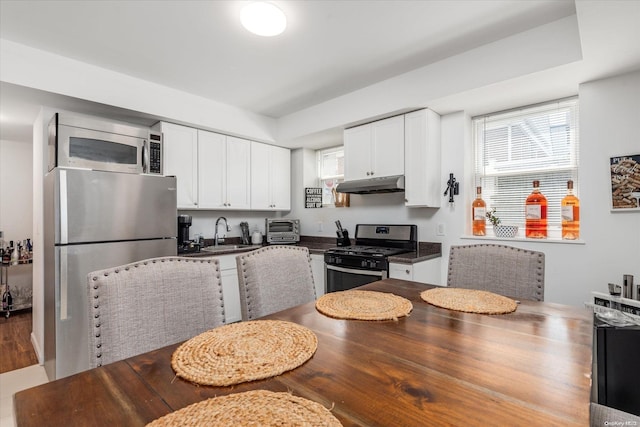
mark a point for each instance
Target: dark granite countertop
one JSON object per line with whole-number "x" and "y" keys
{"x": 318, "y": 246}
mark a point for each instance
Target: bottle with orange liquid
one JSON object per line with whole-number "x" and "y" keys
{"x": 570, "y": 214}
{"x": 536, "y": 214}
{"x": 478, "y": 211}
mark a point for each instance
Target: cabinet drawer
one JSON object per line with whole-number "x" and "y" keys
{"x": 401, "y": 271}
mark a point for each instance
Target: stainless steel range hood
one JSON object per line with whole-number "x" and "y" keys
{"x": 387, "y": 184}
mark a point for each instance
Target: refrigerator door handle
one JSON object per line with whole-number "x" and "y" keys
{"x": 64, "y": 288}
{"x": 64, "y": 225}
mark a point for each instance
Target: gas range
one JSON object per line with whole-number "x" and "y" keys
{"x": 375, "y": 251}
{"x": 367, "y": 261}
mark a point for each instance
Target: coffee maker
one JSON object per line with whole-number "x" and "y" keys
{"x": 185, "y": 245}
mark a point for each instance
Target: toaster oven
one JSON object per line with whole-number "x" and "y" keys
{"x": 279, "y": 231}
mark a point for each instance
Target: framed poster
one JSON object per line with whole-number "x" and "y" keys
{"x": 625, "y": 183}
{"x": 312, "y": 197}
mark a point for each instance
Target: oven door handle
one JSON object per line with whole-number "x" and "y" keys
{"x": 356, "y": 271}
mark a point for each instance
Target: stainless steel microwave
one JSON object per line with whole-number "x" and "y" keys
{"x": 280, "y": 231}
{"x": 79, "y": 141}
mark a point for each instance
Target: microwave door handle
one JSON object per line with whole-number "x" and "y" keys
{"x": 145, "y": 156}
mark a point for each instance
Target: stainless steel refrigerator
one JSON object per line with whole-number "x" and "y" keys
{"x": 95, "y": 220}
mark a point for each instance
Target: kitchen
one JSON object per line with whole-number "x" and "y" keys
{"x": 604, "y": 233}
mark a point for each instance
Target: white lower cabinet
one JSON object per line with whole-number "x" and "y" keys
{"x": 230, "y": 288}
{"x": 317, "y": 268}
{"x": 425, "y": 272}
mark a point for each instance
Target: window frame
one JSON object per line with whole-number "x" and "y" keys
{"x": 321, "y": 179}
{"x": 517, "y": 175}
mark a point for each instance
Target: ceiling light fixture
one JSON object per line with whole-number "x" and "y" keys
{"x": 263, "y": 19}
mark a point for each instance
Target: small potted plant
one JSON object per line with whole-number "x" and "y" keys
{"x": 498, "y": 229}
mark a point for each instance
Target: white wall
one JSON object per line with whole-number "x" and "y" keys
{"x": 609, "y": 112}
{"x": 34, "y": 68}
{"x": 15, "y": 190}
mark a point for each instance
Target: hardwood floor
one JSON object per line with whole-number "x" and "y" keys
{"x": 16, "y": 350}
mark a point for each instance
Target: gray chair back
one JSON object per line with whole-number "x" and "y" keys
{"x": 505, "y": 270}
{"x": 601, "y": 416}
{"x": 274, "y": 278}
{"x": 150, "y": 304}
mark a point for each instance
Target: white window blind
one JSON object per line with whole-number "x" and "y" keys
{"x": 514, "y": 148}
{"x": 330, "y": 172}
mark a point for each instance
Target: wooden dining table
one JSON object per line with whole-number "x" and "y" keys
{"x": 433, "y": 367}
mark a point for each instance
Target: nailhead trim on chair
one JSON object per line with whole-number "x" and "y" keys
{"x": 540, "y": 260}
{"x": 243, "y": 258}
{"x": 96, "y": 306}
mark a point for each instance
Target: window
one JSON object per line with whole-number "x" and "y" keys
{"x": 514, "y": 148}
{"x": 330, "y": 172}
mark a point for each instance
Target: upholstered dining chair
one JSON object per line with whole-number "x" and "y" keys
{"x": 601, "y": 416}
{"x": 274, "y": 278}
{"x": 149, "y": 304}
{"x": 505, "y": 270}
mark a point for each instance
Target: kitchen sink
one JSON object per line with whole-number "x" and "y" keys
{"x": 221, "y": 248}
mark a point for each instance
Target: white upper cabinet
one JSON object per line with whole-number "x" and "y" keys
{"x": 270, "y": 177}
{"x": 223, "y": 171}
{"x": 422, "y": 159}
{"x": 375, "y": 149}
{"x": 180, "y": 157}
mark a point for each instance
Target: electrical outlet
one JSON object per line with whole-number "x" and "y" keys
{"x": 440, "y": 230}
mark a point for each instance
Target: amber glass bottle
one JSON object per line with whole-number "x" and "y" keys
{"x": 478, "y": 211}
{"x": 570, "y": 214}
{"x": 536, "y": 214}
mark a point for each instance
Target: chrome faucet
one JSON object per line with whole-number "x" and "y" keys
{"x": 216, "y": 239}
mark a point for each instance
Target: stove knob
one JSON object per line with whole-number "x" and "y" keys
{"x": 363, "y": 263}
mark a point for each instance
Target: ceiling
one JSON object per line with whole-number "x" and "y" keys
{"x": 329, "y": 49}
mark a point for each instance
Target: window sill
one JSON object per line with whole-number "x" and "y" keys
{"x": 524, "y": 239}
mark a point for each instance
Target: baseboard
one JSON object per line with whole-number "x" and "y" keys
{"x": 37, "y": 349}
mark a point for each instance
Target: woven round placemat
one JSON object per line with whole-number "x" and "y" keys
{"x": 363, "y": 305}
{"x": 469, "y": 300}
{"x": 245, "y": 351}
{"x": 251, "y": 408}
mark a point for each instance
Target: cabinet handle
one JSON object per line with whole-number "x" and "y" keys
{"x": 368, "y": 173}
{"x": 407, "y": 271}
{"x": 371, "y": 172}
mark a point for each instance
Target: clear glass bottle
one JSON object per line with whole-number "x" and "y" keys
{"x": 15, "y": 255}
{"x": 478, "y": 212}
{"x": 536, "y": 214}
{"x": 570, "y": 207}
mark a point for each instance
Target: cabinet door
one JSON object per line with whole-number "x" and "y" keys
{"x": 211, "y": 170}
{"x": 230, "y": 288}
{"x": 357, "y": 153}
{"x": 238, "y": 173}
{"x": 260, "y": 197}
{"x": 280, "y": 182}
{"x": 422, "y": 159}
{"x": 180, "y": 148}
{"x": 388, "y": 147}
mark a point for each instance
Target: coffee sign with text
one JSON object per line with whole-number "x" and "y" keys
{"x": 313, "y": 197}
